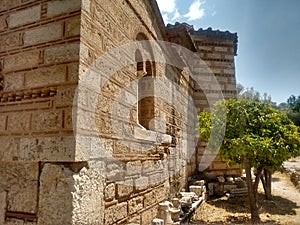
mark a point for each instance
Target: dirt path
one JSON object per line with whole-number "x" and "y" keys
{"x": 283, "y": 187}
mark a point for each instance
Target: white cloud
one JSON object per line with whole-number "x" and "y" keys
{"x": 166, "y": 18}
{"x": 166, "y": 5}
{"x": 169, "y": 10}
{"x": 176, "y": 15}
{"x": 195, "y": 11}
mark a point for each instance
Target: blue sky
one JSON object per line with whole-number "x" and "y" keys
{"x": 269, "y": 38}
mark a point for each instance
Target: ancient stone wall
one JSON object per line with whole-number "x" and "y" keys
{"x": 77, "y": 146}
{"x": 116, "y": 171}
{"x": 214, "y": 79}
{"x": 217, "y": 49}
{"x": 39, "y": 58}
{"x": 143, "y": 166}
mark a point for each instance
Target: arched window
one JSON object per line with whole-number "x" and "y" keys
{"x": 145, "y": 92}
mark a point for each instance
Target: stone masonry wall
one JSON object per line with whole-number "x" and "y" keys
{"x": 217, "y": 49}
{"x": 39, "y": 62}
{"x": 39, "y": 56}
{"x": 140, "y": 169}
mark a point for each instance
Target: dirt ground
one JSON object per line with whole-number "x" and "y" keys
{"x": 283, "y": 209}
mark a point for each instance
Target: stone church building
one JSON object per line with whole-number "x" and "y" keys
{"x": 92, "y": 132}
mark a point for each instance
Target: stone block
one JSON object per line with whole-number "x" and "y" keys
{"x": 55, "y": 201}
{"x": 88, "y": 203}
{"x": 148, "y": 215}
{"x": 3, "y": 197}
{"x": 46, "y": 121}
{"x": 62, "y": 53}
{"x": 72, "y": 27}
{"x": 68, "y": 119}
{"x": 47, "y": 148}
{"x": 3, "y": 123}
{"x": 20, "y": 180}
{"x": 18, "y": 122}
{"x": 12, "y": 221}
{"x": 3, "y": 22}
{"x": 214, "y": 56}
{"x": 24, "y": 199}
{"x": 25, "y": 16}
{"x": 20, "y": 61}
{"x": 133, "y": 168}
{"x": 109, "y": 192}
{"x": 221, "y": 49}
{"x": 229, "y": 57}
{"x": 14, "y": 81}
{"x": 59, "y": 7}
{"x": 155, "y": 196}
{"x": 141, "y": 183}
{"x": 9, "y": 148}
{"x": 73, "y": 72}
{"x": 10, "y": 41}
{"x": 46, "y": 76}
{"x": 115, "y": 213}
{"x": 135, "y": 204}
{"x": 124, "y": 188}
{"x": 43, "y": 34}
{"x": 64, "y": 96}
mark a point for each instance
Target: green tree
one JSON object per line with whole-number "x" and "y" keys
{"x": 256, "y": 136}
{"x": 293, "y": 109}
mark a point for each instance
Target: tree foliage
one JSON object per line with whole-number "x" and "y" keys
{"x": 267, "y": 135}
{"x": 256, "y": 134}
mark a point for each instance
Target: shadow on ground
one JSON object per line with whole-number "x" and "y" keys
{"x": 277, "y": 206}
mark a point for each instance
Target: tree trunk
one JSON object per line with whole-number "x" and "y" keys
{"x": 267, "y": 183}
{"x": 252, "y": 199}
{"x": 256, "y": 182}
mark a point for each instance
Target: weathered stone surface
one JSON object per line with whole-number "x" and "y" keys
{"x": 43, "y": 34}
{"x": 14, "y": 81}
{"x": 88, "y": 202}
{"x": 115, "y": 213}
{"x": 141, "y": 183}
{"x": 9, "y": 41}
{"x": 62, "y": 53}
{"x": 24, "y": 60}
{"x": 134, "y": 167}
{"x": 47, "y": 121}
{"x": 3, "y": 195}
{"x": 59, "y": 7}
{"x": 55, "y": 202}
{"x": 155, "y": 196}
{"x": 2, "y": 122}
{"x": 65, "y": 96}
{"x": 109, "y": 192}
{"x": 73, "y": 72}
{"x": 44, "y": 77}
{"x": 135, "y": 204}
{"x": 3, "y": 23}
{"x": 25, "y": 16}
{"x": 9, "y": 148}
{"x": 148, "y": 216}
{"x": 124, "y": 188}
{"x": 20, "y": 180}
{"x": 72, "y": 27}
{"x": 11, "y": 221}
{"x": 18, "y": 122}
{"x": 48, "y": 148}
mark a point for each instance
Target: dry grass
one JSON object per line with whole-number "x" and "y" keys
{"x": 284, "y": 209}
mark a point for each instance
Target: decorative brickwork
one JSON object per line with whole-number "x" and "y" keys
{"x": 49, "y": 177}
